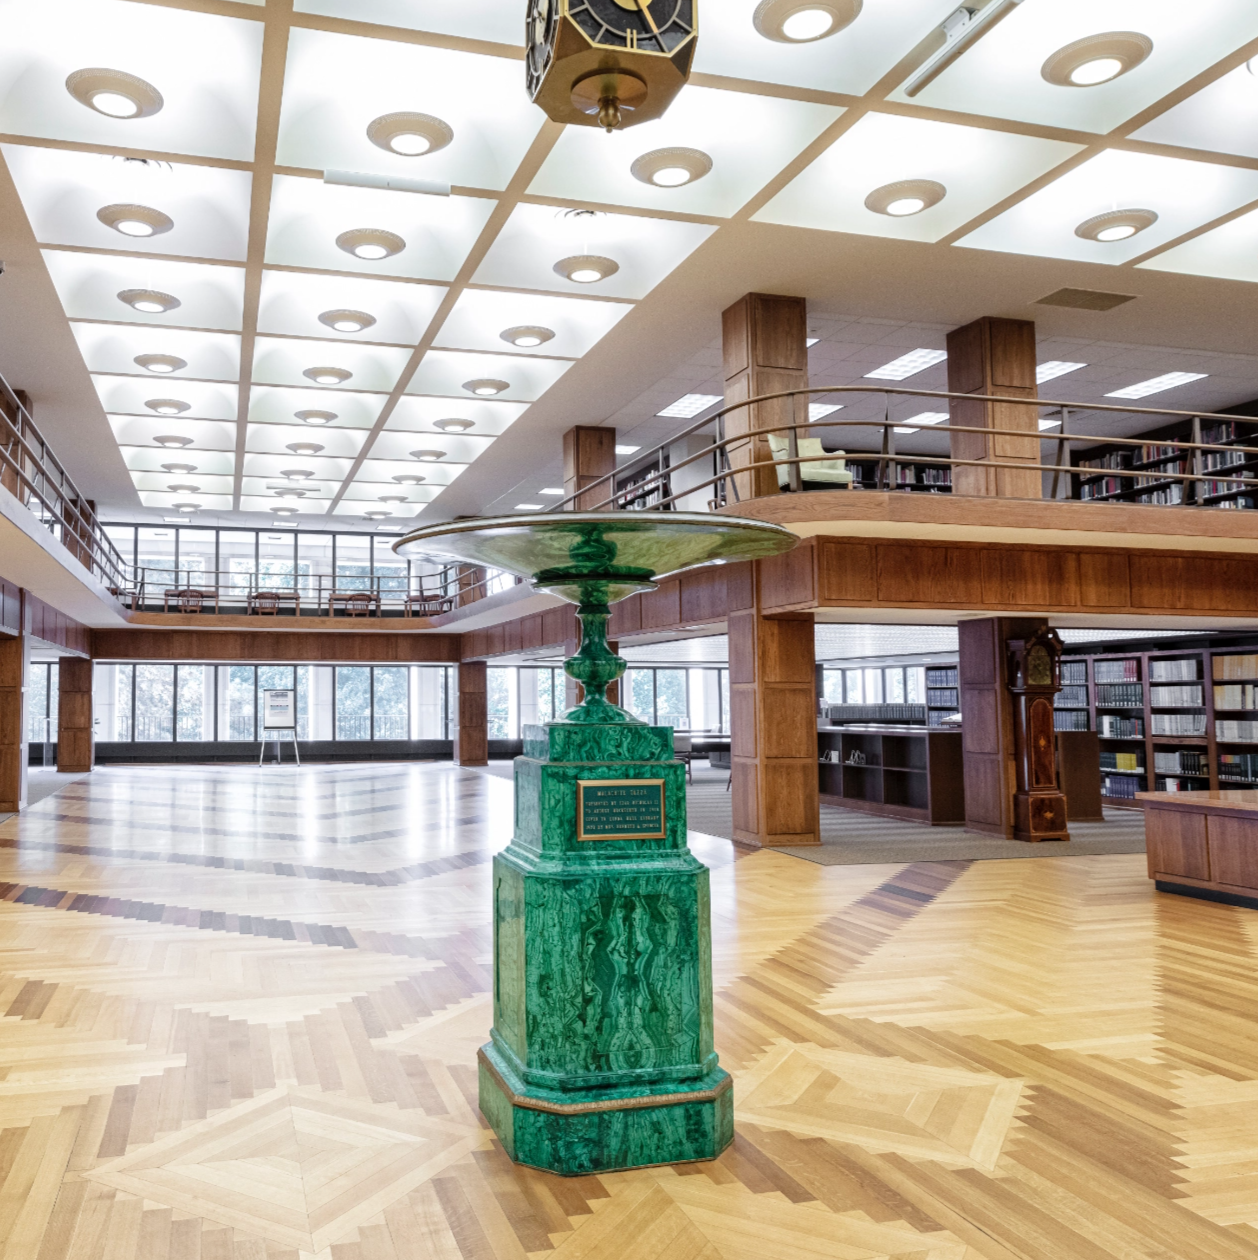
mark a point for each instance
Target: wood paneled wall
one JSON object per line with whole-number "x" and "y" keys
{"x": 471, "y": 735}
{"x": 589, "y": 452}
{"x": 10, "y": 608}
{"x": 55, "y": 627}
{"x": 75, "y": 749}
{"x": 550, "y": 629}
{"x": 14, "y": 667}
{"x": 278, "y": 646}
{"x": 995, "y": 356}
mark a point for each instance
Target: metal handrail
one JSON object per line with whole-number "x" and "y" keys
{"x": 33, "y": 474}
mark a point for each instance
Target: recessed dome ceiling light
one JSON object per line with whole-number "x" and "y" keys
{"x": 168, "y": 406}
{"x": 671, "y": 168}
{"x": 409, "y": 479}
{"x": 377, "y": 514}
{"x": 137, "y": 221}
{"x": 183, "y": 487}
{"x": 393, "y": 498}
{"x": 347, "y": 321}
{"x": 316, "y": 417}
{"x": 905, "y": 197}
{"x": 429, "y": 457}
{"x": 802, "y": 21}
{"x": 284, "y": 511}
{"x": 149, "y": 301}
{"x": 486, "y": 388}
{"x": 114, "y": 93}
{"x": 370, "y": 244}
{"x": 174, "y": 469}
{"x": 409, "y": 135}
{"x": 456, "y": 424}
{"x": 296, "y": 474}
{"x": 163, "y": 363}
{"x": 526, "y": 336}
{"x": 1116, "y": 225}
{"x": 304, "y": 448}
{"x": 1096, "y": 59}
{"x": 186, "y": 508}
{"x": 586, "y": 268}
{"x": 327, "y": 375}
{"x": 173, "y": 442}
{"x": 290, "y": 493}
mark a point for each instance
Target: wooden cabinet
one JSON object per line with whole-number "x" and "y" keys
{"x": 1204, "y": 844}
{"x": 900, "y": 771}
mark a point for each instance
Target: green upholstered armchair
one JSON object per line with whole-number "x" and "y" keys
{"x": 819, "y": 472}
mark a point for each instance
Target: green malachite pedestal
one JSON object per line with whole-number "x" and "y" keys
{"x": 602, "y": 1053}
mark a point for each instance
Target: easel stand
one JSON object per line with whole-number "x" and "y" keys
{"x": 275, "y": 738}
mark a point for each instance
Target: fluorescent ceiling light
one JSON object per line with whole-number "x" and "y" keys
{"x": 528, "y": 507}
{"x": 1050, "y": 424}
{"x": 810, "y": 342}
{"x": 923, "y": 418}
{"x": 819, "y": 411}
{"x": 1054, "y": 368}
{"x": 551, "y": 490}
{"x": 688, "y": 406}
{"x": 1157, "y": 384}
{"x": 627, "y": 450}
{"x": 907, "y": 365}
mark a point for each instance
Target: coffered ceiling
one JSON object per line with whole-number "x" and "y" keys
{"x": 264, "y": 113}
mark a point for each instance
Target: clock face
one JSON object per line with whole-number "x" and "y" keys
{"x": 539, "y": 37}
{"x": 660, "y": 26}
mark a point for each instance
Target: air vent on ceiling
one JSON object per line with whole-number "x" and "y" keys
{"x": 1086, "y": 299}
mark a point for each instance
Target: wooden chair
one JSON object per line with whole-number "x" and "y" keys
{"x": 359, "y": 603}
{"x": 820, "y": 472}
{"x": 187, "y": 599}
{"x": 264, "y": 602}
{"x": 426, "y": 605}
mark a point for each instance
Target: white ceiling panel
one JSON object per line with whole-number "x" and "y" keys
{"x": 205, "y": 67}
{"x": 852, "y": 60}
{"x": 89, "y": 284}
{"x": 282, "y": 361}
{"x": 419, "y": 415}
{"x": 397, "y": 447}
{"x": 149, "y": 459}
{"x": 315, "y": 489}
{"x": 1001, "y": 75}
{"x": 274, "y": 439}
{"x": 445, "y": 372}
{"x": 748, "y": 138}
{"x": 270, "y": 404}
{"x": 206, "y": 435}
{"x": 499, "y": 20}
{"x": 359, "y": 508}
{"x": 271, "y": 465}
{"x": 1229, "y": 252}
{"x": 207, "y": 400}
{"x": 1222, "y": 117}
{"x": 301, "y": 508}
{"x": 480, "y": 317}
{"x": 206, "y": 483}
{"x": 113, "y": 348}
{"x": 292, "y": 302}
{"x": 1184, "y": 194}
{"x": 977, "y": 167}
{"x": 62, "y": 192}
{"x": 535, "y": 238}
{"x": 308, "y": 215}
{"x": 373, "y": 77}
{"x": 207, "y": 503}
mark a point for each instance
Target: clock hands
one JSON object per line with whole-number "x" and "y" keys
{"x": 646, "y": 13}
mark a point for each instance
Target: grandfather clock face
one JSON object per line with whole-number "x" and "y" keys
{"x": 1039, "y": 667}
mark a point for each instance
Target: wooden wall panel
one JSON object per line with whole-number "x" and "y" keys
{"x": 277, "y": 646}
{"x": 589, "y": 453}
{"x": 75, "y": 747}
{"x": 1019, "y": 577}
{"x": 703, "y": 596}
{"x": 1104, "y": 579}
{"x": 945, "y": 575}
{"x": 14, "y": 666}
{"x": 1176, "y": 843}
{"x": 10, "y": 608}
{"x": 662, "y": 608}
{"x": 790, "y": 580}
{"x": 471, "y": 735}
{"x": 55, "y": 627}
{"x": 626, "y": 616}
{"x": 845, "y": 571}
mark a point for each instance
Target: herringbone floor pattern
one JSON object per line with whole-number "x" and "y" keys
{"x": 239, "y": 1012}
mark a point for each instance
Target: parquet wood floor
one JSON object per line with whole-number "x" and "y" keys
{"x": 239, "y": 1011}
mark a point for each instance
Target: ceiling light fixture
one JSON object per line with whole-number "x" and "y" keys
{"x": 803, "y": 21}
{"x": 168, "y": 406}
{"x": 1116, "y": 225}
{"x": 409, "y": 479}
{"x": 172, "y": 441}
{"x": 347, "y": 321}
{"x": 553, "y": 491}
{"x": 1157, "y": 384}
{"x": 327, "y": 375}
{"x": 296, "y": 474}
{"x": 905, "y": 197}
{"x": 182, "y": 487}
{"x": 455, "y": 424}
{"x": 175, "y": 469}
{"x": 1054, "y": 368}
{"x": 671, "y": 168}
{"x": 921, "y": 419}
{"x": 907, "y": 365}
{"x": 959, "y": 31}
{"x": 528, "y": 507}
{"x": 627, "y": 450}
{"x": 586, "y": 268}
{"x": 819, "y": 411}
{"x": 149, "y": 301}
{"x": 114, "y": 93}
{"x": 429, "y": 457}
{"x": 290, "y": 492}
{"x": 304, "y": 448}
{"x": 370, "y": 244}
{"x": 1045, "y": 425}
{"x": 315, "y": 417}
{"x": 393, "y": 498}
{"x": 526, "y": 336}
{"x": 688, "y": 406}
{"x": 1096, "y": 59}
{"x": 284, "y": 511}
{"x": 161, "y": 363}
{"x": 186, "y": 508}
{"x": 485, "y": 387}
{"x": 377, "y": 514}
{"x": 408, "y": 134}
{"x": 137, "y": 221}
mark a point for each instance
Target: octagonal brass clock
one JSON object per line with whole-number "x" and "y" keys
{"x": 609, "y": 63}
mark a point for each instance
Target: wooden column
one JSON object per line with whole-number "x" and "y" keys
{"x": 471, "y": 736}
{"x": 75, "y": 748}
{"x": 14, "y": 667}
{"x": 987, "y": 722}
{"x": 764, "y": 349}
{"x": 589, "y": 453}
{"x": 773, "y": 719}
{"x": 471, "y": 584}
{"x": 995, "y": 356}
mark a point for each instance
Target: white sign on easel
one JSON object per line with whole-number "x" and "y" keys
{"x": 279, "y": 713}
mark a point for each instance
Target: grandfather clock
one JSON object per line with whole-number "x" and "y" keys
{"x": 1039, "y": 808}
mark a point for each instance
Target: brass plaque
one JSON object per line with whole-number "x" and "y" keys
{"x": 620, "y": 809}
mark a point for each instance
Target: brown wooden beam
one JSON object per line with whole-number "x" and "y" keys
{"x": 589, "y": 453}
{"x": 75, "y": 748}
{"x": 275, "y": 646}
{"x": 471, "y": 736}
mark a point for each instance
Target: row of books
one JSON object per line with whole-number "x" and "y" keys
{"x": 1124, "y": 695}
{"x": 1232, "y": 732}
{"x": 1129, "y": 761}
{"x": 1174, "y": 671}
{"x": 1071, "y": 698}
{"x": 1074, "y": 673}
{"x": 1236, "y": 666}
{"x": 1236, "y": 696}
{"x": 1179, "y": 724}
{"x": 942, "y": 697}
{"x": 1175, "y": 697}
{"x": 1118, "y": 671}
{"x": 1070, "y": 720}
{"x": 1238, "y": 767}
{"x": 1169, "y": 496}
{"x": 943, "y": 677}
{"x": 1182, "y": 761}
{"x": 1180, "y": 785}
{"x": 1211, "y": 460}
{"x": 1121, "y": 787}
{"x": 1108, "y": 726}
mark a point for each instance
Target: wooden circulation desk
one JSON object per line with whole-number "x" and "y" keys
{"x": 1204, "y": 844}
{"x": 911, "y": 772}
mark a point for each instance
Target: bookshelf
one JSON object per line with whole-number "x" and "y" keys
{"x": 1071, "y": 704}
{"x": 912, "y": 475}
{"x": 943, "y": 695}
{"x": 901, "y": 772}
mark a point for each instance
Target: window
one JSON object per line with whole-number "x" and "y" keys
{"x": 42, "y": 691}
{"x": 353, "y": 702}
{"x": 431, "y": 691}
{"x": 314, "y": 567}
{"x": 854, "y": 686}
{"x": 389, "y": 568}
{"x": 276, "y": 561}
{"x": 353, "y": 562}
{"x": 391, "y": 717}
{"x": 671, "y": 698}
{"x": 873, "y": 686}
{"x": 198, "y": 560}
{"x": 193, "y": 714}
{"x": 503, "y": 704}
{"x": 237, "y": 563}
{"x": 893, "y": 685}
{"x": 237, "y": 698}
{"x": 154, "y": 703}
{"x": 155, "y": 559}
{"x": 685, "y": 699}
{"x": 915, "y": 684}
{"x": 638, "y": 690}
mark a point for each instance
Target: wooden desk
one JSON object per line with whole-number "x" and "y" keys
{"x": 1203, "y": 844}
